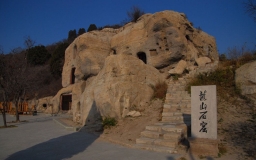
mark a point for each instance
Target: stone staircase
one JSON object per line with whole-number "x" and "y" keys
{"x": 166, "y": 135}
{"x": 176, "y": 117}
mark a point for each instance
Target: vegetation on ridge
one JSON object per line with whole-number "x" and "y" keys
{"x": 224, "y": 76}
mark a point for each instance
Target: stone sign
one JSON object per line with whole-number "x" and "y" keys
{"x": 204, "y": 112}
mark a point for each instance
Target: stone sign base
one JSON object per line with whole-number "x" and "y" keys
{"x": 204, "y": 147}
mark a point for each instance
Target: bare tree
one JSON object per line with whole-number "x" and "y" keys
{"x": 134, "y": 13}
{"x": 29, "y": 43}
{"x": 14, "y": 78}
{"x": 250, "y": 6}
{"x": 4, "y": 104}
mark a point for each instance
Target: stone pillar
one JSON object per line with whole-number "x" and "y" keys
{"x": 203, "y": 139}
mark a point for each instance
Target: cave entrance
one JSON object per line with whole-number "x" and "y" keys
{"x": 66, "y": 102}
{"x": 72, "y": 76}
{"x": 142, "y": 56}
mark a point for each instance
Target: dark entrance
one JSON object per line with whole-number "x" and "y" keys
{"x": 72, "y": 79}
{"x": 66, "y": 102}
{"x": 142, "y": 56}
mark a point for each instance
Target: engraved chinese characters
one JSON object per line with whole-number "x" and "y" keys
{"x": 204, "y": 112}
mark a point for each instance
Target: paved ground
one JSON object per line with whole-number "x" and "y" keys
{"x": 42, "y": 138}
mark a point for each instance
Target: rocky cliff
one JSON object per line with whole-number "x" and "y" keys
{"x": 119, "y": 65}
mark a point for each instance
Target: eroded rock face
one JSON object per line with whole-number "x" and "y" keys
{"x": 114, "y": 68}
{"x": 246, "y": 78}
{"x": 87, "y": 55}
{"x": 165, "y": 37}
{"x": 123, "y": 84}
{"x": 161, "y": 39}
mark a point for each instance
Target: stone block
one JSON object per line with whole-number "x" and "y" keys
{"x": 150, "y": 134}
{"x": 154, "y": 128}
{"x": 165, "y": 143}
{"x": 144, "y": 141}
{"x": 204, "y": 112}
{"x": 204, "y": 147}
{"x": 176, "y": 136}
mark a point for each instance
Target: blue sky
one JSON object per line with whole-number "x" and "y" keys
{"x": 48, "y": 21}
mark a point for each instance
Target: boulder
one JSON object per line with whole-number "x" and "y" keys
{"x": 202, "y": 61}
{"x": 134, "y": 114}
{"x": 179, "y": 67}
{"x": 246, "y": 78}
{"x": 123, "y": 82}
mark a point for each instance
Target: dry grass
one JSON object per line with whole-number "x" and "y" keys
{"x": 160, "y": 90}
{"x": 238, "y": 57}
{"x": 222, "y": 150}
{"x": 224, "y": 76}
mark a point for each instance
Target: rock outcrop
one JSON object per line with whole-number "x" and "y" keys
{"x": 124, "y": 84}
{"x": 161, "y": 39}
{"x": 246, "y": 78}
{"x": 109, "y": 72}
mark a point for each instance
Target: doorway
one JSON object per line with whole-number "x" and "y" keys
{"x": 66, "y": 102}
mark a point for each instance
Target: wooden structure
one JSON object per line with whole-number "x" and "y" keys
{"x": 22, "y": 108}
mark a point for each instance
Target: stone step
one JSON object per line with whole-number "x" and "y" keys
{"x": 177, "y": 108}
{"x": 151, "y": 134}
{"x": 155, "y": 128}
{"x": 183, "y": 105}
{"x": 174, "y": 128}
{"x": 172, "y": 101}
{"x": 175, "y": 95}
{"x": 143, "y": 140}
{"x": 186, "y": 101}
{"x": 184, "y": 121}
{"x": 185, "y": 110}
{"x": 172, "y": 95}
{"x": 171, "y": 110}
{"x": 178, "y": 98}
{"x": 157, "y": 142}
{"x": 155, "y": 148}
{"x": 173, "y": 136}
{"x": 164, "y": 123}
{"x": 172, "y": 118}
{"x": 171, "y": 106}
{"x": 166, "y": 142}
{"x": 168, "y": 114}
{"x": 186, "y": 96}
{"x": 175, "y": 87}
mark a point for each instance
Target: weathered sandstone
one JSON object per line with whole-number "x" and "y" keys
{"x": 115, "y": 69}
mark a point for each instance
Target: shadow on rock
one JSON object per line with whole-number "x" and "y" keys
{"x": 58, "y": 148}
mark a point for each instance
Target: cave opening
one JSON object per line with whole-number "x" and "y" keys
{"x": 142, "y": 56}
